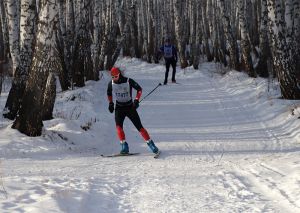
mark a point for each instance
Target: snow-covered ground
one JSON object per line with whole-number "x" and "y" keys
{"x": 229, "y": 144}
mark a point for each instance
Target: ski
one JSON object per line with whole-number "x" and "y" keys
{"x": 156, "y": 155}
{"x": 120, "y": 155}
{"x": 171, "y": 83}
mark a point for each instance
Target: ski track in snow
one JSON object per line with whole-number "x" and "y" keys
{"x": 225, "y": 148}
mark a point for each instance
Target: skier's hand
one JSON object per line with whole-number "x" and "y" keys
{"x": 136, "y": 103}
{"x": 111, "y": 107}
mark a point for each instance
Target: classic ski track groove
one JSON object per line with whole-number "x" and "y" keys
{"x": 261, "y": 184}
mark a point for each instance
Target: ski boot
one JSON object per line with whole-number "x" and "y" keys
{"x": 152, "y": 146}
{"x": 125, "y": 148}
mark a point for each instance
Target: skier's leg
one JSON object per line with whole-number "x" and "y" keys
{"x": 135, "y": 119}
{"x": 167, "y": 71}
{"x": 119, "y": 118}
{"x": 174, "y": 70}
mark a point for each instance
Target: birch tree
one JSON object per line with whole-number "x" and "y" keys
{"x": 296, "y": 29}
{"x": 82, "y": 64}
{"x": 206, "y": 33}
{"x": 49, "y": 97}
{"x": 283, "y": 61}
{"x": 1, "y": 56}
{"x": 195, "y": 34}
{"x": 265, "y": 54}
{"x": 135, "y": 51}
{"x": 245, "y": 42}
{"x": 230, "y": 39}
{"x": 4, "y": 31}
{"x": 179, "y": 32}
{"x": 96, "y": 37}
{"x": 63, "y": 44}
{"x": 29, "y": 119}
{"x": 13, "y": 20}
{"x": 27, "y": 35}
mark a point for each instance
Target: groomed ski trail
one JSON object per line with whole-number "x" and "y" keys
{"x": 220, "y": 153}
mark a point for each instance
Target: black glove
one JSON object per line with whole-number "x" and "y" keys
{"x": 136, "y": 103}
{"x": 111, "y": 107}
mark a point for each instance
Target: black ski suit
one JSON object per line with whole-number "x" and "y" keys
{"x": 122, "y": 92}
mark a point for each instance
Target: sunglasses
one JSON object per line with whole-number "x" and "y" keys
{"x": 115, "y": 76}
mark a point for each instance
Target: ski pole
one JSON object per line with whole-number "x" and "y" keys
{"x": 150, "y": 92}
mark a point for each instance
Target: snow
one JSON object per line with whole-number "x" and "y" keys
{"x": 229, "y": 144}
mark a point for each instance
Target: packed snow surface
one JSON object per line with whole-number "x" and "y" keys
{"x": 229, "y": 144}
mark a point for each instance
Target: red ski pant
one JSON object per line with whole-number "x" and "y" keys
{"x": 121, "y": 113}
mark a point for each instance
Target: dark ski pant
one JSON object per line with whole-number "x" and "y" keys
{"x": 170, "y": 62}
{"x": 121, "y": 113}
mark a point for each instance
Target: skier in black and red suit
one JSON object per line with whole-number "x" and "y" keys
{"x": 121, "y": 88}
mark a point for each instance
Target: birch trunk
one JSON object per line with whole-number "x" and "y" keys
{"x": 63, "y": 46}
{"x": 29, "y": 119}
{"x": 96, "y": 38}
{"x": 13, "y": 20}
{"x": 27, "y": 32}
{"x": 1, "y": 56}
{"x": 4, "y": 29}
{"x": 296, "y": 28}
{"x": 245, "y": 42}
{"x": 230, "y": 40}
{"x": 49, "y": 97}
{"x": 283, "y": 60}
{"x": 144, "y": 18}
{"x": 178, "y": 8}
{"x": 196, "y": 39}
{"x": 262, "y": 67}
{"x": 135, "y": 52}
{"x": 208, "y": 53}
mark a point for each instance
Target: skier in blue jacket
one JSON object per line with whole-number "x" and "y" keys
{"x": 121, "y": 88}
{"x": 170, "y": 54}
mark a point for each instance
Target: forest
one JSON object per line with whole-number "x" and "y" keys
{"x": 74, "y": 41}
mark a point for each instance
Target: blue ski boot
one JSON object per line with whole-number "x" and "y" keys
{"x": 152, "y": 146}
{"x": 125, "y": 148}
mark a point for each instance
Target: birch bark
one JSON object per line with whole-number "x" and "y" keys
{"x": 13, "y": 20}
{"x": 29, "y": 119}
{"x": 27, "y": 36}
{"x": 284, "y": 63}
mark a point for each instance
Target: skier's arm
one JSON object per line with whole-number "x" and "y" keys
{"x": 137, "y": 87}
{"x": 161, "y": 49}
{"x": 175, "y": 52}
{"x": 111, "y": 106}
{"x": 109, "y": 92}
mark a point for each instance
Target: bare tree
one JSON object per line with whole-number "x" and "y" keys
{"x": 49, "y": 97}
{"x": 245, "y": 42}
{"x": 296, "y": 30}
{"x": 27, "y": 31}
{"x": 231, "y": 41}
{"x": 4, "y": 30}
{"x": 284, "y": 63}
{"x": 13, "y": 19}
{"x": 29, "y": 119}
{"x": 179, "y": 14}
{"x": 265, "y": 54}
